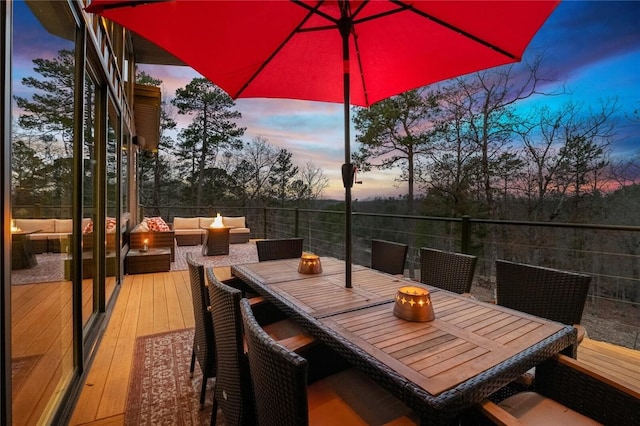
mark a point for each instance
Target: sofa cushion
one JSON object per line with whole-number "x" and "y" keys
{"x": 63, "y": 226}
{"x": 188, "y": 231}
{"x": 142, "y": 227}
{"x": 239, "y": 230}
{"x": 30, "y": 225}
{"x": 234, "y": 222}
{"x": 206, "y": 221}
{"x": 42, "y": 236}
{"x": 180, "y": 223}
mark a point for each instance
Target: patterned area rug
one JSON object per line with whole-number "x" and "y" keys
{"x": 160, "y": 389}
{"x": 238, "y": 254}
{"x": 50, "y": 267}
{"x": 21, "y": 368}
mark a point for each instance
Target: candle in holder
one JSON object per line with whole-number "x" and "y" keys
{"x": 413, "y": 303}
{"x": 309, "y": 264}
{"x": 145, "y": 245}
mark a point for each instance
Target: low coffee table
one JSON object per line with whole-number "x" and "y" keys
{"x": 216, "y": 241}
{"x": 87, "y": 265}
{"x": 146, "y": 262}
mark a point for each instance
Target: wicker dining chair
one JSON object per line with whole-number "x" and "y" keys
{"x": 284, "y": 248}
{"x": 447, "y": 270}
{"x": 233, "y": 391}
{"x": 203, "y": 340}
{"x": 567, "y": 392}
{"x": 389, "y": 257}
{"x": 283, "y": 396}
{"x": 549, "y": 293}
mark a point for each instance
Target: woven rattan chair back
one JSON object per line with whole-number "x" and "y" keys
{"x": 285, "y": 248}
{"x": 447, "y": 270}
{"x": 549, "y": 293}
{"x": 203, "y": 340}
{"x": 389, "y": 257}
{"x": 233, "y": 392}
{"x": 279, "y": 376}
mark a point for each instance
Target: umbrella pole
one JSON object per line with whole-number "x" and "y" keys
{"x": 348, "y": 171}
{"x": 347, "y": 168}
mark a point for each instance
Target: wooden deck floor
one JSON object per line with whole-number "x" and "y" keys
{"x": 160, "y": 302}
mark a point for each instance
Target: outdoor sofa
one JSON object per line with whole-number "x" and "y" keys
{"x": 189, "y": 231}
{"x": 49, "y": 235}
{"x": 156, "y": 233}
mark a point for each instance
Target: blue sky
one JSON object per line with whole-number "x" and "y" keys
{"x": 593, "y": 47}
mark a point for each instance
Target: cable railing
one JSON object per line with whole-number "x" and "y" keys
{"x": 609, "y": 253}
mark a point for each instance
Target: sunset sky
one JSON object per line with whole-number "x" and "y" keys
{"x": 592, "y": 46}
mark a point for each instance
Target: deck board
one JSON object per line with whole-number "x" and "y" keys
{"x": 623, "y": 364}
{"x": 133, "y": 316}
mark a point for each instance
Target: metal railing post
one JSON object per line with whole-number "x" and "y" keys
{"x": 296, "y": 222}
{"x": 264, "y": 222}
{"x": 465, "y": 234}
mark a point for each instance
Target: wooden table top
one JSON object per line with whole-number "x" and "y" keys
{"x": 467, "y": 338}
{"x": 277, "y": 271}
{"x": 323, "y": 295}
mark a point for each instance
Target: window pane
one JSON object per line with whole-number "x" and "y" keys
{"x": 42, "y": 193}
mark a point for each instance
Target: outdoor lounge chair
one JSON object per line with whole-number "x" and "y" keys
{"x": 389, "y": 257}
{"x": 447, "y": 270}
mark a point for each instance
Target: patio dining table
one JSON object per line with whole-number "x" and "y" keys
{"x": 440, "y": 367}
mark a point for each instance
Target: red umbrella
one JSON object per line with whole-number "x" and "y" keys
{"x": 352, "y": 52}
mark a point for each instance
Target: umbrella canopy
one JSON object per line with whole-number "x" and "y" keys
{"x": 351, "y": 52}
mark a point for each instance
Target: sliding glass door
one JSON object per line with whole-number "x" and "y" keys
{"x": 42, "y": 175}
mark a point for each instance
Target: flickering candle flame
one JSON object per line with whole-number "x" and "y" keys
{"x": 145, "y": 245}
{"x": 14, "y": 228}
{"x": 217, "y": 222}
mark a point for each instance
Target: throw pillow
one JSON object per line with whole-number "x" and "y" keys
{"x": 88, "y": 228}
{"x": 157, "y": 224}
{"x": 111, "y": 224}
{"x": 142, "y": 227}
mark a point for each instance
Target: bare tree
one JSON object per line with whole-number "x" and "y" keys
{"x": 566, "y": 150}
{"x": 314, "y": 180}
{"x": 253, "y": 167}
{"x": 449, "y": 168}
{"x": 486, "y": 101}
